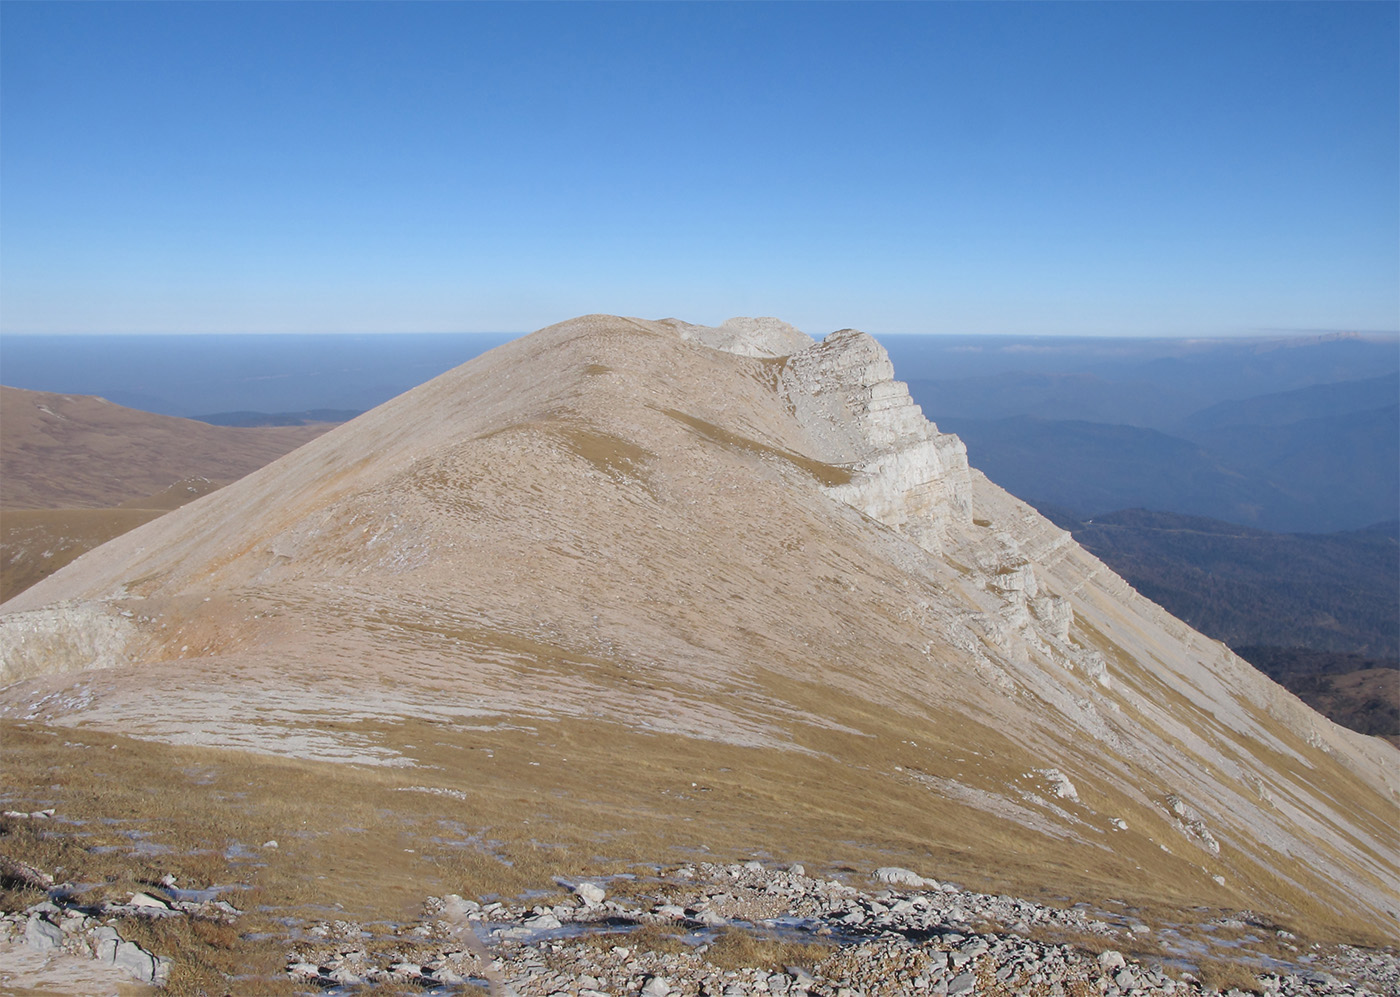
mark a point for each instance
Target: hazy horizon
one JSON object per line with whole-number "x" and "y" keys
{"x": 211, "y": 373}
{"x": 1260, "y": 334}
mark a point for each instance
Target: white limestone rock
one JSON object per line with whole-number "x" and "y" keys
{"x": 42, "y": 935}
{"x": 897, "y": 876}
{"x": 136, "y": 961}
{"x": 148, "y": 902}
{"x": 1110, "y": 960}
{"x": 66, "y": 637}
{"x": 104, "y": 943}
{"x": 904, "y": 472}
{"x": 748, "y": 337}
{"x": 1060, "y": 784}
{"x": 590, "y": 893}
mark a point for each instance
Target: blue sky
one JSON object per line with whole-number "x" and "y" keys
{"x": 1101, "y": 169}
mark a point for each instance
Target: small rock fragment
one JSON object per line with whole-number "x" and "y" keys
{"x": 590, "y": 893}
{"x": 1109, "y": 959}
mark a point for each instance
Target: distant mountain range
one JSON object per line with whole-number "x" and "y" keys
{"x": 1335, "y": 592}
{"x": 312, "y": 417}
{"x": 1317, "y": 459}
{"x": 1299, "y": 405}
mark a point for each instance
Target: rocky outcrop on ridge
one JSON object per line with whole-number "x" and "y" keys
{"x": 905, "y": 473}
{"x": 746, "y": 337}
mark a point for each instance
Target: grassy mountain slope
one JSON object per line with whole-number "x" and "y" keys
{"x": 736, "y": 602}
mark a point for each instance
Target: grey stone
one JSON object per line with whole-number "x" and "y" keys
{"x": 903, "y": 877}
{"x": 963, "y": 983}
{"x": 1110, "y": 959}
{"x": 136, "y": 961}
{"x": 147, "y": 905}
{"x": 42, "y": 935}
{"x": 590, "y": 893}
{"x": 104, "y": 943}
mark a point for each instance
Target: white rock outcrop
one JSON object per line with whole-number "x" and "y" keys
{"x": 904, "y": 472}
{"x": 898, "y": 876}
{"x": 67, "y": 637}
{"x": 748, "y": 337}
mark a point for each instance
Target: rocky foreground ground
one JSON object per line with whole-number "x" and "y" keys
{"x": 736, "y": 930}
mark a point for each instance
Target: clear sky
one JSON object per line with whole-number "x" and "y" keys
{"x": 1102, "y": 169}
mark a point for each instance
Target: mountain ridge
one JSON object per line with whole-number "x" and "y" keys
{"x": 110, "y": 454}
{"x": 767, "y": 546}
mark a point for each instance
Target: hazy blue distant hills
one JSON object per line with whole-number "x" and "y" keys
{"x": 1315, "y": 459}
{"x": 1346, "y": 467}
{"x": 1336, "y": 592}
{"x": 308, "y": 418}
{"x": 1279, "y": 409}
{"x": 1091, "y": 467}
{"x": 1156, "y": 383}
{"x": 1223, "y": 370}
{"x": 1318, "y": 476}
{"x": 1054, "y": 395}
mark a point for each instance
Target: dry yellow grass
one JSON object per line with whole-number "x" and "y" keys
{"x": 1222, "y": 976}
{"x": 736, "y": 949}
{"x": 367, "y": 845}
